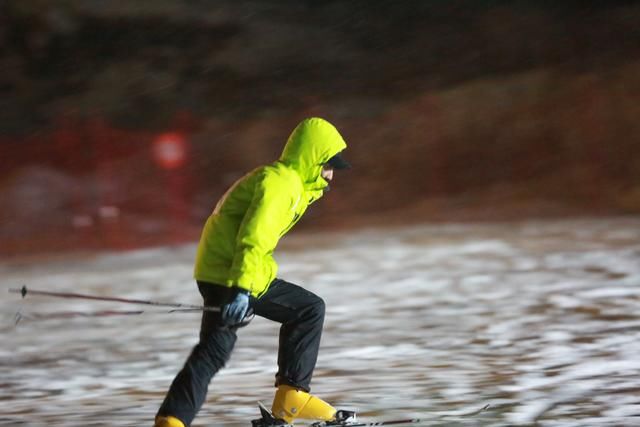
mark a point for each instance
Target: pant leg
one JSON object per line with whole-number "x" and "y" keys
{"x": 189, "y": 388}
{"x": 301, "y": 314}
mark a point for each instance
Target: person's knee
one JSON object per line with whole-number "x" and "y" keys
{"x": 216, "y": 348}
{"x": 318, "y": 308}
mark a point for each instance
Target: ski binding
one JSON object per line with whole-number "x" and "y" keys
{"x": 343, "y": 418}
{"x": 267, "y": 419}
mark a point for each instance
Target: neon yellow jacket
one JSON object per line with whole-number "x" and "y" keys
{"x": 237, "y": 242}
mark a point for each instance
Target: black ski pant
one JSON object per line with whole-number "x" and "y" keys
{"x": 301, "y": 314}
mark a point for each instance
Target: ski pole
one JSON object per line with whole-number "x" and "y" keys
{"x": 24, "y": 292}
{"x": 102, "y": 313}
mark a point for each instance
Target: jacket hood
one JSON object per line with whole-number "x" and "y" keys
{"x": 310, "y": 145}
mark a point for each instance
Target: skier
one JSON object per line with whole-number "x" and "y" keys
{"x": 235, "y": 270}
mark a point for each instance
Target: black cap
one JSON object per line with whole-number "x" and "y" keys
{"x": 338, "y": 162}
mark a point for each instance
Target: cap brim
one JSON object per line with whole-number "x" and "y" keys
{"x": 338, "y": 162}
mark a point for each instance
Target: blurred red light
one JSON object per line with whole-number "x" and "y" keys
{"x": 170, "y": 150}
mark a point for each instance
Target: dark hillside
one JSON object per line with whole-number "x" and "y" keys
{"x": 452, "y": 109}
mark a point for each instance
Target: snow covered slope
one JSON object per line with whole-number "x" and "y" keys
{"x": 539, "y": 319}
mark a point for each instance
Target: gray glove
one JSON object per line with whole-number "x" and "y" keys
{"x": 233, "y": 312}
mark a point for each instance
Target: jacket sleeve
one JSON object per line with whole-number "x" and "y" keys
{"x": 261, "y": 228}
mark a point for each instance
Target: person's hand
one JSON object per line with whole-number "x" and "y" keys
{"x": 234, "y": 311}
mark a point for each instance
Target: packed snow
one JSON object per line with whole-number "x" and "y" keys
{"x": 540, "y": 320}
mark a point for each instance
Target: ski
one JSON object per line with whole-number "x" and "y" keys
{"x": 343, "y": 418}
{"x": 405, "y": 421}
{"x": 348, "y": 419}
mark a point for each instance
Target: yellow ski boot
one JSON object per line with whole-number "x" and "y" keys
{"x": 168, "y": 421}
{"x": 290, "y": 404}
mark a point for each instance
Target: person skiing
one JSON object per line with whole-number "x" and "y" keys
{"x": 235, "y": 271}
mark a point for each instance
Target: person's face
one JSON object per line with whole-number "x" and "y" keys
{"x": 327, "y": 173}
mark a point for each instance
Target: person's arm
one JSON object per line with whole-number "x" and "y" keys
{"x": 260, "y": 230}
